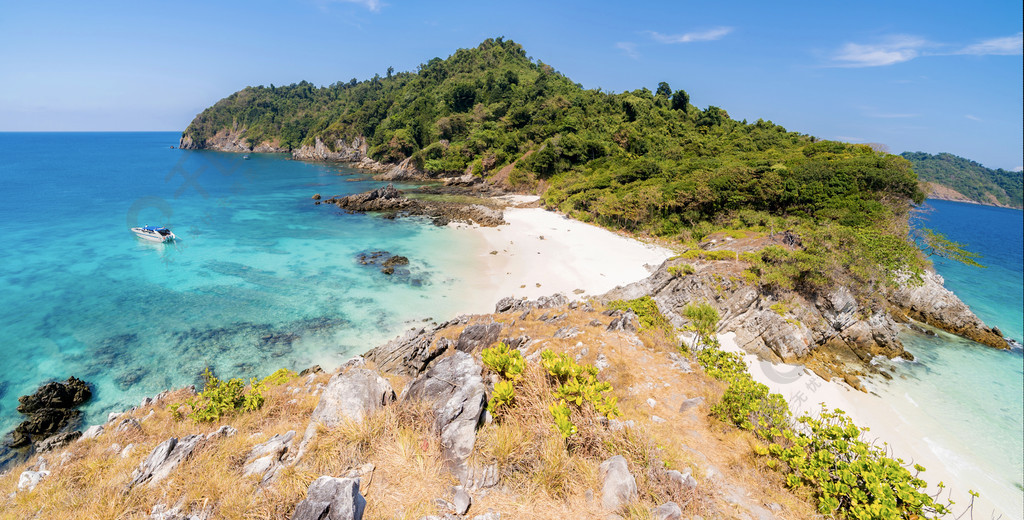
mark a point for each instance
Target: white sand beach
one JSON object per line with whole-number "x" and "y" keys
{"x": 910, "y": 438}
{"x": 540, "y": 253}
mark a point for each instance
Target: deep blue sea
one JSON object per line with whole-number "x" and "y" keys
{"x": 259, "y": 279}
{"x": 262, "y": 279}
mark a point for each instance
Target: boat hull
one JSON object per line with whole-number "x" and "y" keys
{"x": 153, "y": 237}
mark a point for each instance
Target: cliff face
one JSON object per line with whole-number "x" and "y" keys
{"x": 230, "y": 141}
{"x": 937, "y": 306}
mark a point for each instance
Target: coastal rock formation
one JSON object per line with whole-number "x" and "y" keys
{"x": 341, "y": 151}
{"x": 390, "y": 199}
{"x": 408, "y": 354}
{"x": 50, "y": 409}
{"x": 265, "y": 459}
{"x": 937, "y": 306}
{"x": 233, "y": 140}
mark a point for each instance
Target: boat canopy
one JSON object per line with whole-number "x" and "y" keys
{"x": 154, "y": 228}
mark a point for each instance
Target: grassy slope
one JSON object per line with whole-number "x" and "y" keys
{"x": 542, "y": 475}
{"x": 974, "y": 181}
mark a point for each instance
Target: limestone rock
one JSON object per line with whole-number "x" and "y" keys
{"x": 28, "y": 480}
{"x": 352, "y": 396}
{"x": 457, "y": 393}
{"x": 91, "y": 432}
{"x": 935, "y": 305}
{"x": 476, "y": 337}
{"x": 682, "y": 481}
{"x": 164, "y": 459}
{"x": 667, "y": 511}
{"x": 265, "y": 459}
{"x": 330, "y": 498}
{"x": 407, "y": 355}
{"x": 619, "y": 486}
{"x": 461, "y": 501}
{"x": 57, "y": 441}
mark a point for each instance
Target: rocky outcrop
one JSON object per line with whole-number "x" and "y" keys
{"x": 164, "y": 459}
{"x": 408, "y": 354}
{"x": 330, "y": 498}
{"x": 50, "y": 409}
{"x": 477, "y": 337}
{"x": 266, "y": 459}
{"x": 352, "y": 396}
{"x": 341, "y": 151}
{"x": 937, "y": 306}
{"x": 456, "y": 391}
{"x": 389, "y": 199}
{"x": 233, "y": 140}
{"x": 618, "y": 485}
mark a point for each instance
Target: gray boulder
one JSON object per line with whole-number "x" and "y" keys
{"x": 408, "y": 354}
{"x": 475, "y": 337}
{"x": 164, "y": 459}
{"x": 619, "y": 486}
{"x": 667, "y": 511}
{"x": 457, "y": 393}
{"x": 352, "y": 396}
{"x": 57, "y": 441}
{"x": 682, "y": 481}
{"x": 461, "y": 501}
{"x": 332, "y": 498}
{"x": 28, "y": 480}
{"x": 265, "y": 459}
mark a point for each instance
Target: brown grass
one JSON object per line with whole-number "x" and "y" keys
{"x": 542, "y": 475}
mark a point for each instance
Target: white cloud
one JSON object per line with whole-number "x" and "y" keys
{"x": 628, "y": 48}
{"x": 972, "y": 118}
{"x": 704, "y": 36}
{"x": 1008, "y": 46}
{"x": 1019, "y": 169}
{"x": 895, "y": 49}
{"x": 901, "y": 48}
{"x": 373, "y": 5}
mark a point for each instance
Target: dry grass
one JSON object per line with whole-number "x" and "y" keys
{"x": 542, "y": 475}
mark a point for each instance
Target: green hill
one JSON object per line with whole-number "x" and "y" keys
{"x": 972, "y": 180}
{"x": 643, "y": 161}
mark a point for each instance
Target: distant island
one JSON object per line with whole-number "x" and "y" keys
{"x": 951, "y": 177}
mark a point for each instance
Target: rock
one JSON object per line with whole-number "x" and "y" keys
{"x": 387, "y": 198}
{"x": 164, "y": 459}
{"x": 489, "y": 515}
{"x": 128, "y": 425}
{"x": 352, "y": 396}
{"x": 57, "y": 441}
{"x": 68, "y": 394}
{"x": 656, "y": 419}
{"x": 935, "y": 305}
{"x": 667, "y": 511}
{"x": 222, "y": 432}
{"x": 91, "y": 432}
{"x": 619, "y": 486}
{"x": 651, "y": 402}
{"x": 43, "y": 423}
{"x": 265, "y": 459}
{"x": 462, "y": 501}
{"x": 682, "y": 481}
{"x": 567, "y": 332}
{"x": 627, "y": 322}
{"x": 689, "y": 404}
{"x": 162, "y": 512}
{"x": 30, "y": 479}
{"x": 476, "y": 337}
{"x": 679, "y": 362}
{"x": 330, "y": 498}
{"x": 602, "y": 362}
{"x": 341, "y": 151}
{"x": 480, "y": 477}
{"x": 409, "y": 354}
{"x": 457, "y": 393}
{"x": 315, "y": 369}
{"x": 316, "y": 196}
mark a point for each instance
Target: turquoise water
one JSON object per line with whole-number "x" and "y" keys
{"x": 969, "y": 397}
{"x": 259, "y": 279}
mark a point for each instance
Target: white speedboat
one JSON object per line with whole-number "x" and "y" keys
{"x": 154, "y": 233}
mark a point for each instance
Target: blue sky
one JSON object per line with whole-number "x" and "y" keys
{"x": 936, "y": 76}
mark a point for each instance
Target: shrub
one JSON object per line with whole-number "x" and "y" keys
{"x": 560, "y": 412}
{"x": 504, "y": 395}
{"x": 681, "y": 270}
{"x": 577, "y": 384}
{"x": 849, "y": 477}
{"x": 704, "y": 320}
{"x": 646, "y": 311}
{"x": 221, "y": 398}
{"x": 507, "y": 363}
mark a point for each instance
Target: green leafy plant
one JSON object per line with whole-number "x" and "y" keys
{"x": 220, "y": 398}
{"x": 681, "y": 270}
{"x": 704, "y": 319}
{"x": 506, "y": 362}
{"x": 647, "y": 312}
{"x": 577, "y": 385}
{"x": 849, "y": 477}
{"x": 503, "y": 397}
{"x": 563, "y": 423}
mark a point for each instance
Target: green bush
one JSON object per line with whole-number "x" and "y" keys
{"x": 503, "y": 397}
{"x": 681, "y": 270}
{"x": 646, "y": 310}
{"x": 577, "y": 385}
{"x": 849, "y": 477}
{"x": 221, "y": 398}
{"x": 504, "y": 361}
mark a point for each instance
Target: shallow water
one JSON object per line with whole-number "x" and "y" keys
{"x": 259, "y": 279}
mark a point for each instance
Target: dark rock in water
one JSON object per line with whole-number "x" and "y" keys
{"x": 396, "y": 260}
{"x": 68, "y": 394}
{"x": 389, "y": 264}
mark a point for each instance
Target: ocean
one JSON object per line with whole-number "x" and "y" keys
{"x": 262, "y": 279}
{"x": 259, "y": 279}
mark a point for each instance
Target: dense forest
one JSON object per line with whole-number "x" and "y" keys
{"x": 643, "y": 161}
{"x": 969, "y": 178}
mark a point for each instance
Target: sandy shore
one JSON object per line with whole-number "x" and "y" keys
{"x": 909, "y": 439}
{"x": 541, "y": 252}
